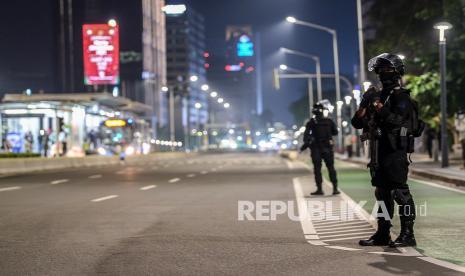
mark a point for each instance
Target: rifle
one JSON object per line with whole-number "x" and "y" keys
{"x": 372, "y": 134}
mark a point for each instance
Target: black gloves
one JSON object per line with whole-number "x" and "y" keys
{"x": 368, "y": 97}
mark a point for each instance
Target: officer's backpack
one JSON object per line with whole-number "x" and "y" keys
{"x": 416, "y": 126}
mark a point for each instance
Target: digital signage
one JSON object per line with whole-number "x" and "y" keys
{"x": 245, "y": 47}
{"x": 101, "y": 53}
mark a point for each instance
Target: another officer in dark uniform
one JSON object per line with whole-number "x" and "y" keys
{"x": 389, "y": 111}
{"x": 318, "y": 137}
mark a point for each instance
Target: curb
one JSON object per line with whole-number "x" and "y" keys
{"x": 421, "y": 173}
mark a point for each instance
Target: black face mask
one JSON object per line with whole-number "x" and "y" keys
{"x": 317, "y": 113}
{"x": 388, "y": 78}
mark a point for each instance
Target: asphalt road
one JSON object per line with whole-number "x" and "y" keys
{"x": 180, "y": 217}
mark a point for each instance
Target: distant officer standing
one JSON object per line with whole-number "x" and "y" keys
{"x": 390, "y": 122}
{"x": 318, "y": 136}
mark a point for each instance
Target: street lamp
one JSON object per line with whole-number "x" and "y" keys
{"x": 214, "y": 94}
{"x": 443, "y": 27}
{"x": 339, "y": 122}
{"x": 227, "y": 105}
{"x": 284, "y": 67}
{"x": 291, "y": 19}
{"x": 220, "y": 100}
{"x": 333, "y": 32}
{"x": 316, "y": 59}
{"x": 194, "y": 78}
{"x": 205, "y": 87}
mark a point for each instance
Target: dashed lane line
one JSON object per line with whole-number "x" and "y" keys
{"x": 191, "y": 175}
{"x": 148, "y": 187}
{"x": 96, "y": 176}
{"x": 104, "y": 198}
{"x": 59, "y": 181}
{"x": 203, "y": 172}
{"x": 174, "y": 180}
{"x": 10, "y": 189}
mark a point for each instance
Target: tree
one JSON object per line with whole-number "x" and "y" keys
{"x": 407, "y": 27}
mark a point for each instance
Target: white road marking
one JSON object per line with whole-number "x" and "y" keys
{"x": 343, "y": 248}
{"x": 368, "y": 227}
{"x": 10, "y": 189}
{"x": 104, "y": 198}
{"x": 191, "y": 175}
{"x": 59, "y": 181}
{"x": 203, "y": 172}
{"x": 289, "y": 164}
{"x": 349, "y": 238}
{"x": 148, "y": 187}
{"x": 324, "y": 236}
{"x": 121, "y": 172}
{"x": 174, "y": 180}
{"x": 341, "y": 226}
{"x": 327, "y": 222}
{"x": 437, "y": 185}
{"x": 304, "y": 217}
{"x": 97, "y": 176}
{"x": 213, "y": 170}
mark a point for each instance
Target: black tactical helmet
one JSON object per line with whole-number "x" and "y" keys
{"x": 387, "y": 60}
{"x": 318, "y": 109}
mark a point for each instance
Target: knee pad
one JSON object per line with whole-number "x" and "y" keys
{"x": 402, "y": 196}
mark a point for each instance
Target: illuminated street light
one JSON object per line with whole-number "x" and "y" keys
{"x": 205, "y": 87}
{"x": 174, "y": 9}
{"x": 314, "y": 58}
{"x": 112, "y": 23}
{"x": 442, "y": 27}
{"x": 194, "y": 78}
{"x": 227, "y": 105}
{"x": 291, "y": 19}
{"x": 283, "y": 67}
{"x": 366, "y": 85}
{"x": 348, "y": 99}
{"x": 214, "y": 94}
{"x": 165, "y": 89}
{"x": 220, "y": 100}
{"x": 198, "y": 105}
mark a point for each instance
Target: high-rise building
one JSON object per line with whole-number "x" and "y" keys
{"x": 143, "y": 50}
{"x": 185, "y": 31}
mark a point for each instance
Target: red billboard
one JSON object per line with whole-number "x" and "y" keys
{"x": 101, "y": 53}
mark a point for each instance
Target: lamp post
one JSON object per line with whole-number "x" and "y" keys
{"x": 170, "y": 90}
{"x": 317, "y": 69}
{"x": 198, "y": 106}
{"x": 333, "y": 32}
{"x": 284, "y": 67}
{"x": 339, "y": 122}
{"x": 442, "y": 27}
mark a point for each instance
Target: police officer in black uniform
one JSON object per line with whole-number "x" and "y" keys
{"x": 391, "y": 111}
{"x": 318, "y": 137}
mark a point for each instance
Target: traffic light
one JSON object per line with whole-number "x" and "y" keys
{"x": 276, "y": 81}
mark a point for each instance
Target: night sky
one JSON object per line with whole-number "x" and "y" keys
{"x": 267, "y": 17}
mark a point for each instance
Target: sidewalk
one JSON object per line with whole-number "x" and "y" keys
{"x": 424, "y": 167}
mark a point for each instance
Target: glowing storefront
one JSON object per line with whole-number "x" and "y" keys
{"x": 68, "y": 118}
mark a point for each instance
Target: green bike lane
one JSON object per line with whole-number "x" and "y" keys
{"x": 440, "y": 223}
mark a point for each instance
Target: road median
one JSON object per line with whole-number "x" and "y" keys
{"x": 15, "y": 166}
